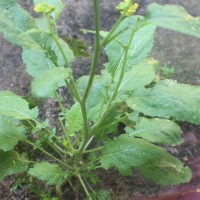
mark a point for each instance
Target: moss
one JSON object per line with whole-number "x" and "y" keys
{"x": 79, "y": 47}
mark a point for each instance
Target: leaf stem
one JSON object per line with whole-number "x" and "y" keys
{"x": 73, "y": 90}
{"x": 93, "y": 150}
{"x": 83, "y": 185}
{"x": 48, "y": 154}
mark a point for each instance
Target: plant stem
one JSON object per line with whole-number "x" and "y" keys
{"x": 48, "y": 154}
{"x": 83, "y": 185}
{"x": 73, "y": 90}
{"x": 59, "y": 192}
{"x": 92, "y": 150}
{"x": 91, "y": 78}
{"x": 114, "y": 93}
{"x": 97, "y": 49}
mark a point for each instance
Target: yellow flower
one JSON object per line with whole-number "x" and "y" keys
{"x": 127, "y": 8}
{"x": 43, "y": 8}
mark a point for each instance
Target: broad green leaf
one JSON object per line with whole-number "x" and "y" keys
{"x": 126, "y": 153}
{"x": 11, "y": 163}
{"x": 10, "y": 133}
{"x": 157, "y": 130}
{"x": 138, "y": 40}
{"x": 47, "y": 57}
{"x": 56, "y": 3}
{"x": 74, "y": 119}
{"x": 173, "y": 17}
{"x": 36, "y": 61}
{"x": 51, "y": 174}
{"x": 13, "y": 11}
{"x": 14, "y": 106}
{"x": 167, "y": 170}
{"x": 45, "y": 84}
{"x": 139, "y": 76}
{"x": 168, "y": 99}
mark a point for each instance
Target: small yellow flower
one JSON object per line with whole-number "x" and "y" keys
{"x": 43, "y": 8}
{"x": 127, "y": 8}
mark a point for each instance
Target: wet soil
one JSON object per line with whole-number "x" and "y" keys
{"x": 172, "y": 49}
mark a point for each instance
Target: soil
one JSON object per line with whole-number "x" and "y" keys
{"x": 172, "y": 49}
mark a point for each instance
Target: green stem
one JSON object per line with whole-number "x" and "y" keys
{"x": 91, "y": 78}
{"x": 114, "y": 93}
{"x": 60, "y": 102}
{"x": 83, "y": 185}
{"x": 107, "y": 38}
{"x": 73, "y": 90}
{"x": 93, "y": 150}
{"x": 67, "y": 136}
{"x": 48, "y": 154}
{"x": 97, "y": 49}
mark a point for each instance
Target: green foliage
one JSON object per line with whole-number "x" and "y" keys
{"x": 50, "y": 173}
{"x": 126, "y": 153}
{"x": 168, "y": 99}
{"x": 10, "y": 133}
{"x": 138, "y": 42}
{"x": 11, "y": 163}
{"x": 119, "y": 118}
{"x": 157, "y": 131}
{"x": 173, "y": 17}
{"x": 45, "y": 84}
{"x": 74, "y": 119}
{"x": 14, "y": 106}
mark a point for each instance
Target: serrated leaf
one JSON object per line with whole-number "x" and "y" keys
{"x": 56, "y": 3}
{"x": 51, "y": 174}
{"x": 11, "y": 163}
{"x": 36, "y": 61}
{"x": 157, "y": 130}
{"x": 168, "y": 99}
{"x": 46, "y": 83}
{"x": 173, "y": 17}
{"x": 74, "y": 119}
{"x": 10, "y": 133}
{"x": 14, "y": 106}
{"x": 167, "y": 170}
{"x": 126, "y": 153}
{"x": 139, "y": 76}
{"x": 139, "y": 45}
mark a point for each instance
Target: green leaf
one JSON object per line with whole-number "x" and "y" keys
{"x": 45, "y": 84}
{"x": 126, "y": 153}
{"x": 10, "y": 133}
{"x": 14, "y": 106}
{"x": 56, "y": 3}
{"x": 36, "y": 61}
{"x": 13, "y": 11}
{"x": 39, "y": 60}
{"x": 74, "y": 119}
{"x": 11, "y": 163}
{"x": 167, "y": 170}
{"x": 139, "y": 76}
{"x": 157, "y": 130}
{"x": 173, "y": 17}
{"x": 168, "y": 99}
{"x": 139, "y": 45}
{"x": 52, "y": 174}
